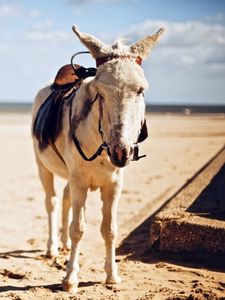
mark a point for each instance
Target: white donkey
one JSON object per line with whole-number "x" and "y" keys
{"x": 107, "y": 110}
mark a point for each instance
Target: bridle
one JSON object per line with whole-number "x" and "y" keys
{"x": 102, "y": 147}
{"x": 82, "y": 74}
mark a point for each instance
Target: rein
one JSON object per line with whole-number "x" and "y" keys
{"x": 102, "y": 147}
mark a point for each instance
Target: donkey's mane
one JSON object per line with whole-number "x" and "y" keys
{"x": 120, "y": 42}
{"x": 119, "y": 47}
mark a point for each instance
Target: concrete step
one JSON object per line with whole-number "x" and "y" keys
{"x": 194, "y": 218}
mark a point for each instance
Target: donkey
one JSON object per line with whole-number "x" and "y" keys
{"x": 108, "y": 110}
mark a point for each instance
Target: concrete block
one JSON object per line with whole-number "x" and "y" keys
{"x": 194, "y": 218}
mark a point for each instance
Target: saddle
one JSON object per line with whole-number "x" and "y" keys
{"x": 66, "y": 75}
{"x": 47, "y": 124}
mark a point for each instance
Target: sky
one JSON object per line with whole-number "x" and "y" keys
{"x": 186, "y": 67}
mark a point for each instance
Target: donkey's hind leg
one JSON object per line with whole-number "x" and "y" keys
{"x": 66, "y": 218}
{"x": 51, "y": 203}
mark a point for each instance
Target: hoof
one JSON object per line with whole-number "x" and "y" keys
{"x": 113, "y": 279}
{"x": 66, "y": 248}
{"x": 64, "y": 251}
{"x": 52, "y": 253}
{"x": 66, "y": 244}
{"x": 69, "y": 287}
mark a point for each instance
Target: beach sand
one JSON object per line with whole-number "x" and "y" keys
{"x": 177, "y": 147}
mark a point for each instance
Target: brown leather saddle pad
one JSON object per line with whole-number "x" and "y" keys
{"x": 66, "y": 75}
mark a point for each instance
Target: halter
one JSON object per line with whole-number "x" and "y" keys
{"x": 102, "y": 60}
{"x": 84, "y": 73}
{"x": 102, "y": 147}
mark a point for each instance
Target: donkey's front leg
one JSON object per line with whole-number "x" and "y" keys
{"x": 77, "y": 227}
{"x": 110, "y": 197}
{"x": 66, "y": 218}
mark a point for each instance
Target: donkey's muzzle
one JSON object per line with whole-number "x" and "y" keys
{"x": 120, "y": 155}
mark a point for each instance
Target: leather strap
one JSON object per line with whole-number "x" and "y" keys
{"x": 101, "y": 60}
{"x": 81, "y": 152}
{"x": 77, "y": 143}
{"x": 56, "y": 151}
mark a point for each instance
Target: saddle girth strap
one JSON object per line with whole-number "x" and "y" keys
{"x": 57, "y": 151}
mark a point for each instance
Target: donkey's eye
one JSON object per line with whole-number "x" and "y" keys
{"x": 140, "y": 91}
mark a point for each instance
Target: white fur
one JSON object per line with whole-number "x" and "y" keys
{"x": 118, "y": 82}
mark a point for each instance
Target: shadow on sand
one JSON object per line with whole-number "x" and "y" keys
{"x": 19, "y": 253}
{"x": 135, "y": 247}
{"x": 10, "y": 288}
{"x": 54, "y": 288}
{"x": 211, "y": 202}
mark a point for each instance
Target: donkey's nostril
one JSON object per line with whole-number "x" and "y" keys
{"x": 119, "y": 154}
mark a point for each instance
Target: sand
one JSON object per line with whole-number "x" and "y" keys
{"x": 178, "y": 146}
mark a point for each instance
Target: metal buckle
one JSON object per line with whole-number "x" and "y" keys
{"x": 136, "y": 152}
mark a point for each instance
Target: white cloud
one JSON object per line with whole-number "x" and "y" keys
{"x": 43, "y": 25}
{"x": 188, "y": 64}
{"x": 190, "y": 33}
{"x": 220, "y": 17}
{"x": 185, "y": 44}
{"x": 15, "y": 10}
{"x": 3, "y": 49}
{"x": 9, "y": 10}
{"x": 47, "y": 36}
{"x": 45, "y": 32}
{"x": 34, "y": 13}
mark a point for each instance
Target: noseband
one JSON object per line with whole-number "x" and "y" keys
{"x": 87, "y": 72}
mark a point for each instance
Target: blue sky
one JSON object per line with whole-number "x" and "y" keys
{"x": 187, "y": 66}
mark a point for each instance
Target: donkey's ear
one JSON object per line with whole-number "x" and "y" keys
{"x": 94, "y": 45}
{"x": 143, "y": 46}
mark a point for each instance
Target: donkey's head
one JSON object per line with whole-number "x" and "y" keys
{"x": 120, "y": 84}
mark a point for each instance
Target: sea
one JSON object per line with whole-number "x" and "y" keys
{"x": 153, "y": 108}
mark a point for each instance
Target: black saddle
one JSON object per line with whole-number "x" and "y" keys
{"x": 47, "y": 124}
